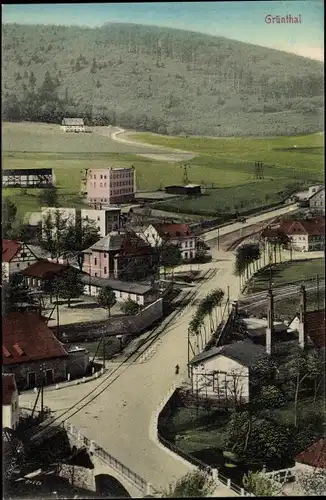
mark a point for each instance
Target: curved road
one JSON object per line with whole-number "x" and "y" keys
{"x": 119, "y": 419}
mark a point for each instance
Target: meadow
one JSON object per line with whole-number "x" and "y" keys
{"x": 224, "y": 167}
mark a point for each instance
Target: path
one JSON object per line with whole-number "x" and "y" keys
{"x": 165, "y": 154}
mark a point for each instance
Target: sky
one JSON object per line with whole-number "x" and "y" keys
{"x": 244, "y": 21}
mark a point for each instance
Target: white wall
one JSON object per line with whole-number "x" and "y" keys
{"x": 102, "y": 218}
{"x": 299, "y": 242}
{"x": 10, "y": 414}
{"x": 120, "y": 296}
{"x": 5, "y": 271}
{"x": 235, "y": 383}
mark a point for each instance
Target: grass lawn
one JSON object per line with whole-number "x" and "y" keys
{"x": 288, "y": 272}
{"x": 226, "y": 165}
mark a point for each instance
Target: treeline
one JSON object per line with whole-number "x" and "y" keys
{"x": 158, "y": 79}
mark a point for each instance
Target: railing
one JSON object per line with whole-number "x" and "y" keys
{"x": 131, "y": 476}
{"x": 218, "y": 478}
{"x": 282, "y": 475}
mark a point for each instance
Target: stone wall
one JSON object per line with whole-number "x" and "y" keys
{"x": 58, "y": 365}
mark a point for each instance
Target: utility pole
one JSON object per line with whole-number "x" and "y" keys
{"x": 228, "y": 300}
{"x": 103, "y": 352}
{"x": 188, "y": 345}
{"x": 42, "y": 391}
{"x": 317, "y": 283}
{"x": 58, "y": 322}
{"x": 218, "y": 238}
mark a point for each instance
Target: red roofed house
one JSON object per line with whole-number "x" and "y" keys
{"x": 306, "y": 235}
{"x": 312, "y": 458}
{"x": 28, "y": 345}
{"x": 43, "y": 270}
{"x": 111, "y": 255}
{"x": 10, "y": 401}
{"x": 16, "y": 256}
{"x": 176, "y": 234}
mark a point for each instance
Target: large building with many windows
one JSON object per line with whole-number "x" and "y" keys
{"x": 109, "y": 186}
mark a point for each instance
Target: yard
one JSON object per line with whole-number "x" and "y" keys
{"x": 288, "y": 272}
{"x": 225, "y": 167}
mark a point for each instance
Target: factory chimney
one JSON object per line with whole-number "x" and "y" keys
{"x": 302, "y": 316}
{"x": 270, "y": 321}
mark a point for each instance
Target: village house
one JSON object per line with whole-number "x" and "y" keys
{"x": 105, "y": 220}
{"x": 73, "y": 125}
{"x": 30, "y": 351}
{"x": 224, "y": 372}
{"x": 10, "y": 401}
{"x": 140, "y": 293}
{"x": 317, "y": 200}
{"x": 120, "y": 255}
{"x": 176, "y": 234}
{"x": 303, "y": 197}
{"x": 305, "y": 235}
{"x": 110, "y": 186}
{"x": 41, "y": 271}
{"x": 16, "y": 256}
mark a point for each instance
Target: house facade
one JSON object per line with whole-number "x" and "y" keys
{"x": 110, "y": 185}
{"x": 10, "y": 401}
{"x": 16, "y": 256}
{"x": 73, "y": 125}
{"x": 224, "y": 372}
{"x": 305, "y": 235}
{"x": 176, "y": 234}
{"x": 140, "y": 293}
{"x": 317, "y": 200}
{"x": 118, "y": 252}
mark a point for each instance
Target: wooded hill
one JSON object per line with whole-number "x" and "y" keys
{"x": 158, "y": 79}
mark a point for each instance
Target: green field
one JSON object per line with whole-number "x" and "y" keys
{"x": 226, "y": 165}
{"x": 288, "y": 272}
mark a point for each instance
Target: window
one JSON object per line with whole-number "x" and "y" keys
{"x": 95, "y": 275}
{"x": 94, "y": 176}
{"x": 98, "y": 217}
{"x": 87, "y": 216}
{"x": 95, "y": 261}
{"x": 137, "y": 298}
{"x": 101, "y": 176}
{"x": 101, "y": 185}
{"x": 105, "y": 177}
{"x": 17, "y": 264}
{"x": 105, "y": 255}
{"x": 31, "y": 379}
{"x": 105, "y": 270}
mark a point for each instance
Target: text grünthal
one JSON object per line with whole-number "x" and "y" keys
{"x": 288, "y": 19}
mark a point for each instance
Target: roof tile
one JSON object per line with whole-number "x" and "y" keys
{"x": 28, "y": 333}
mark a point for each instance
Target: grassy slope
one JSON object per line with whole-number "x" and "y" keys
{"x": 288, "y": 272}
{"x": 226, "y": 163}
{"x": 188, "y": 82}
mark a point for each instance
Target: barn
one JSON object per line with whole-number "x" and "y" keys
{"x": 28, "y": 178}
{"x": 188, "y": 190}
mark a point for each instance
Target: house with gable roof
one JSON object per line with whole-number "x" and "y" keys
{"x": 176, "y": 234}
{"x": 73, "y": 125}
{"x": 16, "y": 256}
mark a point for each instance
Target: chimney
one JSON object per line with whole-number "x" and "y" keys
{"x": 270, "y": 321}
{"x": 302, "y": 315}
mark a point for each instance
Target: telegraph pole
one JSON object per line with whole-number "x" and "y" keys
{"x": 218, "y": 238}
{"x": 42, "y": 392}
{"x": 103, "y": 352}
{"x": 317, "y": 283}
{"x": 188, "y": 345}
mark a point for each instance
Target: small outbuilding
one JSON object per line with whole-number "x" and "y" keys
{"x": 73, "y": 125}
{"x": 188, "y": 190}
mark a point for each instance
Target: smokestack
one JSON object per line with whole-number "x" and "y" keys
{"x": 270, "y": 321}
{"x": 302, "y": 315}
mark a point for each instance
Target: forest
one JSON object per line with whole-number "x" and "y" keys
{"x": 155, "y": 79}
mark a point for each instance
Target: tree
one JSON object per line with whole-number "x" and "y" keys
{"x": 15, "y": 292}
{"x": 106, "y": 298}
{"x": 130, "y": 307}
{"x": 9, "y": 213}
{"x": 78, "y": 236}
{"x": 201, "y": 250}
{"x": 52, "y": 239}
{"x": 69, "y": 285}
{"x": 170, "y": 257}
{"x": 193, "y": 484}
{"x": 260, "y": 485}
{"x": 312, "y": 483}
{"x": 49, "y": 197}
{"x": 269, "y": 397}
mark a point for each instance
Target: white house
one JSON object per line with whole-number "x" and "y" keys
{"x": 224, "y": 372}
{"x": 73, "y": 125}
{"x": 16, "y": 256}
{"x": 141, "y": 293}
{"x": 317, "y": 200}
{"x": 10, "y": 401}
{"x": 106, "y": 220}
{"x": 176, "y": 234}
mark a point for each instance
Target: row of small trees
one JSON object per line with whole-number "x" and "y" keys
{"x": 207, "y": 307}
